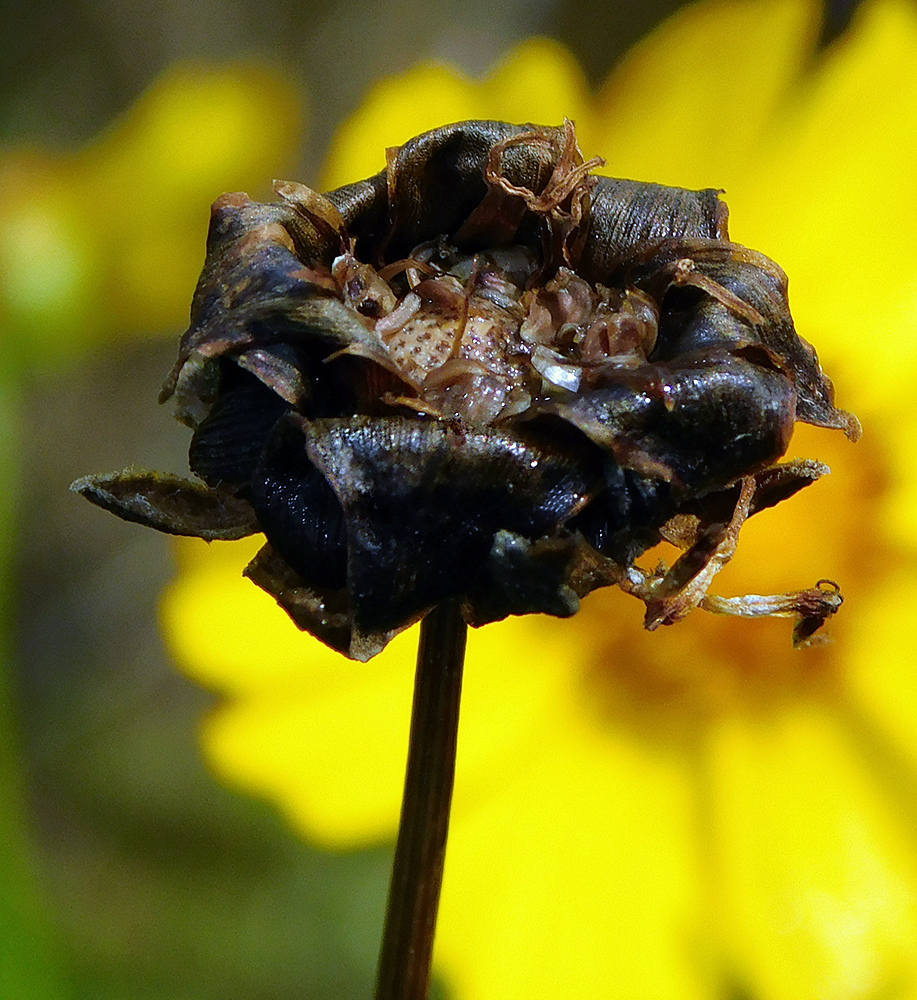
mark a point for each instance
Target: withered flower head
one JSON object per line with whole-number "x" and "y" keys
{"x": 483, "y": 372}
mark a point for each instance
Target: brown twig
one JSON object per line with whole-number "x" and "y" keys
{"x": 410, "y": 921}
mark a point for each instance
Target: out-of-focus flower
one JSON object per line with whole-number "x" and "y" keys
{"x": 106, "y": 241}
{"x": 701, "y": 812}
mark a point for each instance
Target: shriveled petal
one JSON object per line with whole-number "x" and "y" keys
{"x": 167, "y": 503}
{"x": 365, "y": 474}
{"x": 814, "y": 869}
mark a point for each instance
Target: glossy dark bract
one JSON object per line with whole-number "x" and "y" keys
{"x": 483, "y": 372}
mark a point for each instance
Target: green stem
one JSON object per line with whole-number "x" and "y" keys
{"x": 28, "y": 967}
{"x": 417, "y": 874}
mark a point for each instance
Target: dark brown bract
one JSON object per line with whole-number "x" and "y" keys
{"x": 483, "y": 372}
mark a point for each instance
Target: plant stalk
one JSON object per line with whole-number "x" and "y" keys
{"x": 417, "y": 873}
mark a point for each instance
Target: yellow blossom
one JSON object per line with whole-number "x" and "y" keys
{"x": 109, "y": 238}
{"x": 700, "y": 812}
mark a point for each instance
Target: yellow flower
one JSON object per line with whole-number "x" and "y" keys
{"x": 108, "y": 239}
{"x": 701, "y": 812}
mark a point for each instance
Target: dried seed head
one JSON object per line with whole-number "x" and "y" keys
{"x": 484, "y": 372}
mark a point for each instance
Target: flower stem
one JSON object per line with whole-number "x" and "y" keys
{"x": 417, "y": 873}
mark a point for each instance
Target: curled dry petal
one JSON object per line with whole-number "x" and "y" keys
{"x": 485, "y": 372}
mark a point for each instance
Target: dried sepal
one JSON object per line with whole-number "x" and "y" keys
{"x": 326, "y": 615}
{"x": 169, "y": 504}
{"x": 710, "y": 542}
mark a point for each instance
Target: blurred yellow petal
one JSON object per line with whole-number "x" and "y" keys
{"x": 813, "y": 862}
{"x": 109, "y": 240}
{"x": 580, "y": 879}
{"x": 229, "y": 641}
{"x": 197, "y": 132}
{"x": 432, "y": 95}
{"x": 899, "y": 432}
{"x": 348, "y": 734}
{"x": 882, "y": 679}
{"x": 196, "y": 123}
{"x": 539, "y": 81}
{"x": 842, "y": 160}
{"x": 302, "y": 709}
{"x": 692, "y": 104}
{"x": 779, "y": 550}
{"x": 833, "y": 198}
{"x": 397, "y": 109}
